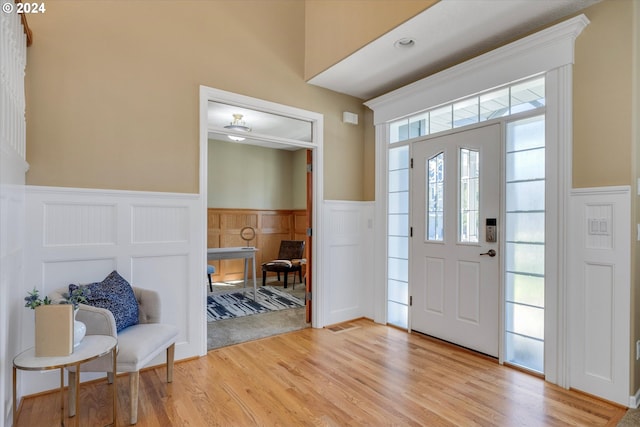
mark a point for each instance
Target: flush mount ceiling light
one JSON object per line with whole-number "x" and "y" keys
{"x": 238, "y": 125}
{"x": 404, "y": 43}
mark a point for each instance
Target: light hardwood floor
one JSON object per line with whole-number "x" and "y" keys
{"x": 362, "y": 375}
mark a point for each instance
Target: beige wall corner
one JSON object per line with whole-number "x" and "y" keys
{"x": 333, "y": 32}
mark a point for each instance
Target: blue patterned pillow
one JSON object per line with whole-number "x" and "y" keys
{"x": 116, "y": 295}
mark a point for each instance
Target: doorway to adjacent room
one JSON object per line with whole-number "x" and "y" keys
{"x": 282, "y": 131}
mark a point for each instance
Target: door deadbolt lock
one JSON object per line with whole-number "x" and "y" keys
{"x": 491, "y": 230}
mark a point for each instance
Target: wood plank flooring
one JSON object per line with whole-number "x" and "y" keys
{"x": 361, "y": 374}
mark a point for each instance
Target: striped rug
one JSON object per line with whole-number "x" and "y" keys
{"x": 228, "y": 306}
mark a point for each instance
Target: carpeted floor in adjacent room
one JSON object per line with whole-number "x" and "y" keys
{"x": 248, "y": 328}
{"x": 630, "y": 419}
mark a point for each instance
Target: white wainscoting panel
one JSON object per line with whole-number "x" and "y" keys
{"x": 160, "y": 224}
{"x": 152, "y": 239}
{"x": 78, "y": 224}
{"x": 147, "y": 271}
{"x": 13, "y": 167}
{"x": 347, "y": 289}
{"x": 599, "y": 292}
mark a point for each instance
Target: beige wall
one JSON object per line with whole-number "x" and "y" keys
{"x": 337, "y": 28}
{"x": 369, "y": 157}
{"x": 299, "y": 180}
{"x": 112, "y": 89}
{"x": 251, "y": 177}
{"x": 602, "y": 145}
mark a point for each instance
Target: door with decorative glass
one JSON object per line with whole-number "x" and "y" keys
{"x": 455, "y": 258}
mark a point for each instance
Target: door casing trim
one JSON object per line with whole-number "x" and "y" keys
{"x": 211, "y": 94}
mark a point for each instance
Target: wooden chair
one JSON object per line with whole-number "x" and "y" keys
{"x": 290, "y": 259}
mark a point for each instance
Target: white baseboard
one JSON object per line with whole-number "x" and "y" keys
{"x": 634, "y": 401}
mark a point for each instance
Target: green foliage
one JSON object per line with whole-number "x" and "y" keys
{"x": 33, "y": 300}
{"x": 77, "y": 296}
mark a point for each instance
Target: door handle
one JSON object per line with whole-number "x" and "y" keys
{"x": 490, "y": 252}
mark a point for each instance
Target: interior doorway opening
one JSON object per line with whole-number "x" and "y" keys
{"x": 300, "y": 142}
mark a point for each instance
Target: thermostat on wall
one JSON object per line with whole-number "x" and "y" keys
{"x": 351, "y": 118}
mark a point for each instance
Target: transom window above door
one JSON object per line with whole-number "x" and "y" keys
{"x": 515, "y": 98}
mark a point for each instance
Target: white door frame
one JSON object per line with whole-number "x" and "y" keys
{"x": 210, "y": 94}
{"x": 549, "y": 52}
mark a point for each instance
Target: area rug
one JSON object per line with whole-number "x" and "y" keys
{"x": 238, "y": 304}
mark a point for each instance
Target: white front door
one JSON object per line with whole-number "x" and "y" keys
{"x": 455, "y": 262}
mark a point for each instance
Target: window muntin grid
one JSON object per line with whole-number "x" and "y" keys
{"x": 469, "y": 181}
{"x": 515, "y": 98}
{"x": 435, "y": 199}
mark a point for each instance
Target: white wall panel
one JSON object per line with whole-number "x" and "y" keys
{"x": 158, "y": 224}
{"x": 599, "y": 320}
{"x": 166, "y": 274}
{"x": 344, "y": 277}
{"x": 347, "y": 285}
{"x": 79, "y": 224}
{"x": 599, "y": 292}
{"x": 62, "y": 273}
{"x": 152, "y": 239}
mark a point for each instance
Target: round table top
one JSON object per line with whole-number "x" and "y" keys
{"x": 91, "y": 347}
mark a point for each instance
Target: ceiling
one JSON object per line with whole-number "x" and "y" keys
{"x": 264, "y": 127}
{"x": 449, "y": 32}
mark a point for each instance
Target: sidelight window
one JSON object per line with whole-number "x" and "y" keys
{"x": 524, "y": 243}
{"x": 398, "y": 237}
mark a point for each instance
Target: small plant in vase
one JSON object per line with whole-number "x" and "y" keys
{"x": 76, "y": 297}
{"x": 33, "y": 299}
{"x": 53, "y": 326}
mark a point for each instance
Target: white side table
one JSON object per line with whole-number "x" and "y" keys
{"x": 91, "y": 347}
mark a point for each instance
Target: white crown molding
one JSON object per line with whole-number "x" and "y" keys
{"x": 540, "y": 52}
